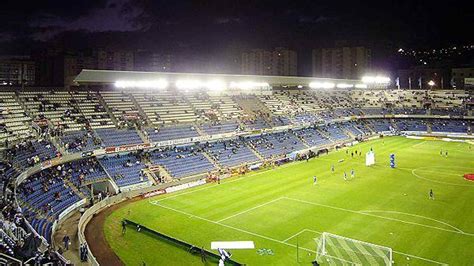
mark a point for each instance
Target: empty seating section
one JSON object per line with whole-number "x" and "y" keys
{"x": 304, "y": 118}
{"x": 166, "y": 107}
{"x": 120, "y": 104}
{"x": 456, "y": 126}
{"x": 276, "y": 144}
{"x": 231, "y": 152}
{"x": 183, "y": 161}
{"x": 375, "y": 111}
{"x": 117, "y": 137}
{"x": 126, "y": 170}
{"x": 226, "y": 106}
{"x": 255, "y": 124}
{"x": 411, "y": 125}
{"x": 92, "y": 109}
{"x": 280, "y": 120}
{"x": 380, "y": 125}
{"x": 312, "y": 136}
{"x": 14, "y": 123}
{"x": 56, "y": 106}
{"x": 335, "y": 132}
{"x": 172, "y": 132}
{"x": 354, "y": 128}
{"x": 220, "y": 127}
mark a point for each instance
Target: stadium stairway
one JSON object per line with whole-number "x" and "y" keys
{"x": 140, "y": 110}
{"x": 144, "y": 137}
{"x": 214, "y": 162}
{"x": 74, "y": 188}
{"x": 302, "y": 140}
{"x": 152, "y": 169}
{"x": 324, "y": 134}
{"x": 199, "y": 130}
{"x": 107, "y": 109}
{"x": 252, "y": 148}
{"x": 116, "y": 187}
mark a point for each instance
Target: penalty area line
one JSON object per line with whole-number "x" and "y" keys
{"x": 273, "y": 239}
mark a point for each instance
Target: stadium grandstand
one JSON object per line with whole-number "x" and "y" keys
{"x": 117, "y": 135}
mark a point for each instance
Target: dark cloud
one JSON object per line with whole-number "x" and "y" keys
{"x": 204, "y": 26}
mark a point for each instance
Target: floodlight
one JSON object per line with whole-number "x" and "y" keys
{"x": 376, "y": 79}
{"x": 247, "y": 85}
{"x": 186, "y": 84}
{"x": 143, "y": 84}
{"x": 431, "y": 83}
{"x": 215, "y": 85}
{"x": 321, "y": 85}
{"x": 344, "y": 86}
{"x": 361, "y": 86}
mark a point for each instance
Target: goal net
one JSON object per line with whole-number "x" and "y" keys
{"x": 338, "y": 250}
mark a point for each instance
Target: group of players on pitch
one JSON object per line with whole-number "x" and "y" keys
{"x": 315, "y": 178}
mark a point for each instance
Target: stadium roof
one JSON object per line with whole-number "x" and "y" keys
{"x": 110, "y": 77}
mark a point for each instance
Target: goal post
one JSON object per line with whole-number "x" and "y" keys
{"x": 335, "y": 249}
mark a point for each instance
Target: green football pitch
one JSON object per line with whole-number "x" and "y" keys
{"x": 283, "y": 212}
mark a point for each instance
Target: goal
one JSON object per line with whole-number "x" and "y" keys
{"x": 335, "y": 250}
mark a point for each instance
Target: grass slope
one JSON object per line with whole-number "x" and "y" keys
{"x": 280, "y": 209}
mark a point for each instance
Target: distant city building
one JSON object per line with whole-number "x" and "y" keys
{"x": 115, "y": 60}
{"x": 152, "y": 61}
{"x": 419, "y": 77}
{"x": 278, "y": 62}
{"x": 17, "y": 71}
{"x": 342, "y": 62}
{"x": 462, "y": 78}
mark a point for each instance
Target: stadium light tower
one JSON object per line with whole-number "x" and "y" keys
{"x": 431, "y": 83}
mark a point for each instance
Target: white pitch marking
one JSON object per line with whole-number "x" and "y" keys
{"x": 248, "y": 210}
{"x": 415, "y": 215}
{"x": 413, "y": 172}
{"x": 378, "y": 216}
{"x": 272, "y": 239}
{"x": 227, "y": 182}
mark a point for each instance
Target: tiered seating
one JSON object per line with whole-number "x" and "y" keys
{"x": 42, "y": 227}
{"x": 76, "y": 141}
{"x": 182, "y": 162}
{"x": 120, "y": 104}
{"x": 374, "y": 111}
{"x": 25, "y": 153}
{"x": 312, "y": 136}
{"x": 92, "y": 109}
{"x": 409, "y": 111}
{"x": 457, "y": 126}
{"x": 273, "y": 104}
{"x": 226, "y": 106}
{"x": 304, "y": 118}
{"x": 126, "y": 170}
{"x": 255, "y": 124}
{"x": 56, "y": 106}
{"x": 220, "y": 127}
{"x": 172, "y": 132}
{"x": 276, "y": 144}
{"x": 117, "y": 137}
{"x": 166, "y": 107}
{"x": 335, "y": 132}
{"x": 231, "y": 152}
{"x": 14, "y": 124}
{"x": 411, "y": 125}
{"x": 46, "y": 192}
{"x": 280, "y": 120}
{"x": 355, "y": 128}
{"x": 380, "y": 125}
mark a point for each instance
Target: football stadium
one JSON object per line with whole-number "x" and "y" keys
{"x": 152, "y": 168}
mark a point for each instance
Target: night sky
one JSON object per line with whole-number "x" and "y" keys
{"x": 215, "y": 28}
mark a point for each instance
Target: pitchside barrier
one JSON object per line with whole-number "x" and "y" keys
{"x": 194, "y": 250}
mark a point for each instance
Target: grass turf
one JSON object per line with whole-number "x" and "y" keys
{"x": 281, "y": 209}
